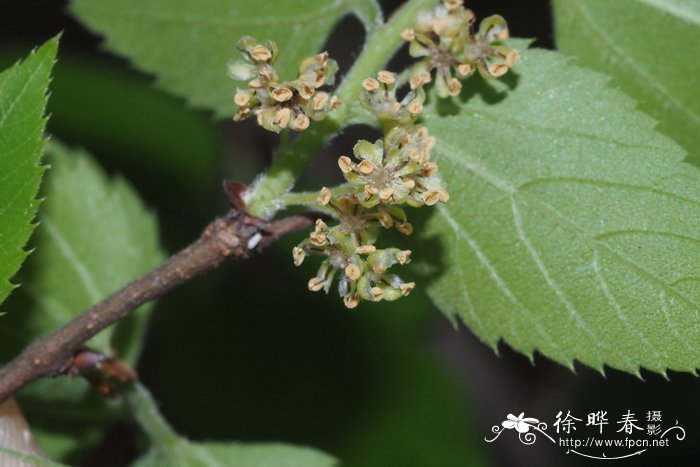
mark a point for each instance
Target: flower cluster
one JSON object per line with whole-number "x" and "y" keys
{"x": 388, "y": 173}
{"x": 395, "y": 170}
{"x": 282, "y": 104}
{"x": 379, "y": 96}
{"x": 445, "y": 38}
{"x": 364, "y": 267}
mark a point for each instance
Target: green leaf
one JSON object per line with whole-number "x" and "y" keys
{"x": 573, "y": 227}
{"x": 22, "y": 458}
{"x": 170, "y": 449}
{"x": 649, "y": 47}
{"x": 188, "y": 454}
{"x": 188, "y": 43}
{"x": 95, "y": 236}
{"x": 23, "y": 98}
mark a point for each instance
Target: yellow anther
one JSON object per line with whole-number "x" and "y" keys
{"x": 324, "y": 196}
{"x": 365, "y": 249}
{"x": 316, "y": 283}
{"x": 345, "y": 164}
{"x": 366, "y": 167}
{"x": 298, "y": 254}
{"x": 352, "y": 272}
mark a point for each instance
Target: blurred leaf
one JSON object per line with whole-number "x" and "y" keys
{"x": 188, "y": 454}
{"x": 650, "y": 48}
{"x": 28, "y": 459}
{"x": 188, "y": 43}
{"x": 94, "y": 237}
{"x": 167, "y": 448}
{"x": 573, "y": 227}
{"x": 118, "y": 114}
{"x": 23, "y": 90}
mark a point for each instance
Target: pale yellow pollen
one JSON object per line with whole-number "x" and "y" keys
{"x": 317, "y": 238}
{"x": 469, "y": 16}
{"x": 335, "y": 103}
{"x": 321, "y": 100}
{"x": 453, "y": 4}
{"x": 345, "y": 164}
{"x": 352, "y": 272}
{"x": 438, "y": 25}
{"x": 430, "y": 197}
{"x": 431, "y": 169}
{"x": 316, "y": 284}
{"x": 351, "y": 301}
{"x": 259, "y": 117}
{"x": 386, "y": 194}
{"x": 453, "y": 87}
{"x": 241, "y": 115}
{"x": 366, "y": 167}
{"x": 419, "y": 156}
{"x": 379, "y": 269}
{"x": 408, "y": 34}
{"x": 255, "y": 84}
{"x": 376, "y": 293}
{"x": 503, "y": 34}
{"x": 406, "y": 229}
{"x": 407, "y": 287}
{"x": 320, "y": 78}
{"x": 324, "y": 196}
{"x": 415, "y": 82}
{"x": 369, "y": 191}
{"x": 402, "y": 256}
{"x": 320, "y": 226}
{"x": 465, "y": 69}
{"x": 301, "y": 122}
{"x": 282, "y": 117}
{"x": 497, "y": 69}
{"x": 298, "y": 255}
{"x": 386, "y": 77}
{"x": 409, "y": 183}
{"x": 265, "y": 73}
{"x": 370, "y": 84}
{"x": 512, "y": 58}
{"x": 444, "y": 195}
{"x": 306, "y": 91}
{"x": 415, "y": 107}
{"x": 385, "y": 219}
{"x": 322, "y": 58}
{"x": 260, "y": 53}
{"x": 365, "y": 249}
{"x": 241, "y": 98}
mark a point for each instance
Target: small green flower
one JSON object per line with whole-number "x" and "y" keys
{"x": 445, "y": 40}
{"x": 395, "y": 170}
{"x": 282, "y": 104}
{"x": 492, "y": 58}
{"x": 363, "y": 267}
{"x": 379, "y": 97}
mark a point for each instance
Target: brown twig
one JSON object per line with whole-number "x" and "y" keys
{"x": 224, "y": 238}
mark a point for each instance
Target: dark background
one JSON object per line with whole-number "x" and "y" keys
{"x": 247, "y": 353}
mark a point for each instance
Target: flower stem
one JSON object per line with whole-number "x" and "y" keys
{"x": 309, "y": 198}
{"x": 266, "y": 196}
{"x": 145, "y": 410}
